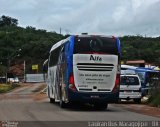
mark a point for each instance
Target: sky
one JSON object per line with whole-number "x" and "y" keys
{"x": 107, "y": 17}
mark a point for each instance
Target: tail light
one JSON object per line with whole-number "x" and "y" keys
{"x": 117, "y": 83}
{"x": 71, "y": 83}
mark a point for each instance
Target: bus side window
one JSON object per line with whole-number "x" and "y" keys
{"x": 54, "y": 56}
{"x": 62, "y": 54}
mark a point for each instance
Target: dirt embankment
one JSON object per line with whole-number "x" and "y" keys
{"x": 142, "y": 109}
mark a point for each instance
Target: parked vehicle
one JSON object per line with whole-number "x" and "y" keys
{"x": 130, "y": 88}
{"x": 13, "y": 80}
{"x": 146, "y": 76}
{"x": 86, "y": 69}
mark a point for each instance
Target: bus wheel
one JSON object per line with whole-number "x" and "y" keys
{"x": 51, "y": 100}
{"x": 62, "y": 103}
{"x": 101, "y": 106}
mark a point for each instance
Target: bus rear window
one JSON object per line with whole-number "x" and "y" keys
{"x": 97, "y": 44}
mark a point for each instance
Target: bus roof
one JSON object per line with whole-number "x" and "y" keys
{"x": 146, "y": 69}
{"x": 141, "y": 69}
{"x": 56, "y": 45}
{"x": 85, "y": 35}
{"x": 128, "y": 67}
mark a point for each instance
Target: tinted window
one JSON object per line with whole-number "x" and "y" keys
{"x": 141, "y": 76}
{"x": 54, "y": 56}
{"x": 95, "y": 44}
{"x": 128, "y": 80}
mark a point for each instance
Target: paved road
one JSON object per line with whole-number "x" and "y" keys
{"x": 25, "y": 104}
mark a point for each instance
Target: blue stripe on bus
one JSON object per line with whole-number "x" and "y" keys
{"x": 119, "y": 47}
{"x": 69, "y": 55}
{"x": 71, "y": 48}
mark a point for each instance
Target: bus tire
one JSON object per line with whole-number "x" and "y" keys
{"x": 62, "y": 103}
{"x": 101, "y": 106}
{"x": 51, "y": 100}
{"x": 119, "y": 100}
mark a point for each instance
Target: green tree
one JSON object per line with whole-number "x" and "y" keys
{"x": 3, "y": 70}
{"x": 8, "y": 21}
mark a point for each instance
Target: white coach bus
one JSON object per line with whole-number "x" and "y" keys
{"x": 84, "y": 68}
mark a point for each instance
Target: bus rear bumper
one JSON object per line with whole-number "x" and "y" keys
{"x": 93, "y": 97}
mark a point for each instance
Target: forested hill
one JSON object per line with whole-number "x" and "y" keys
{"x": 32, "y": 45}
{"x": 138, "y": 47}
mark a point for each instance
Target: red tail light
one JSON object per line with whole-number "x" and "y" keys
{"x": 71, "y": 83}
{"x": 117, "y": 83}
{"x": 71, "y": 79}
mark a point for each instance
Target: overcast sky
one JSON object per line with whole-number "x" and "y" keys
{"x": 111, "y": 17}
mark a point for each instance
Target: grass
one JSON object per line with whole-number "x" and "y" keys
{"x": 7, "y": 87}
{"x": 154, "y": 99}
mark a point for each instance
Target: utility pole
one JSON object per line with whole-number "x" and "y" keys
{"x": 60, "y": 30}
{"x": 24, "y": 67}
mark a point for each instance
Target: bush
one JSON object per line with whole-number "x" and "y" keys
{"x": 7, "y": 87}
{"x": 154, "y": 98}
